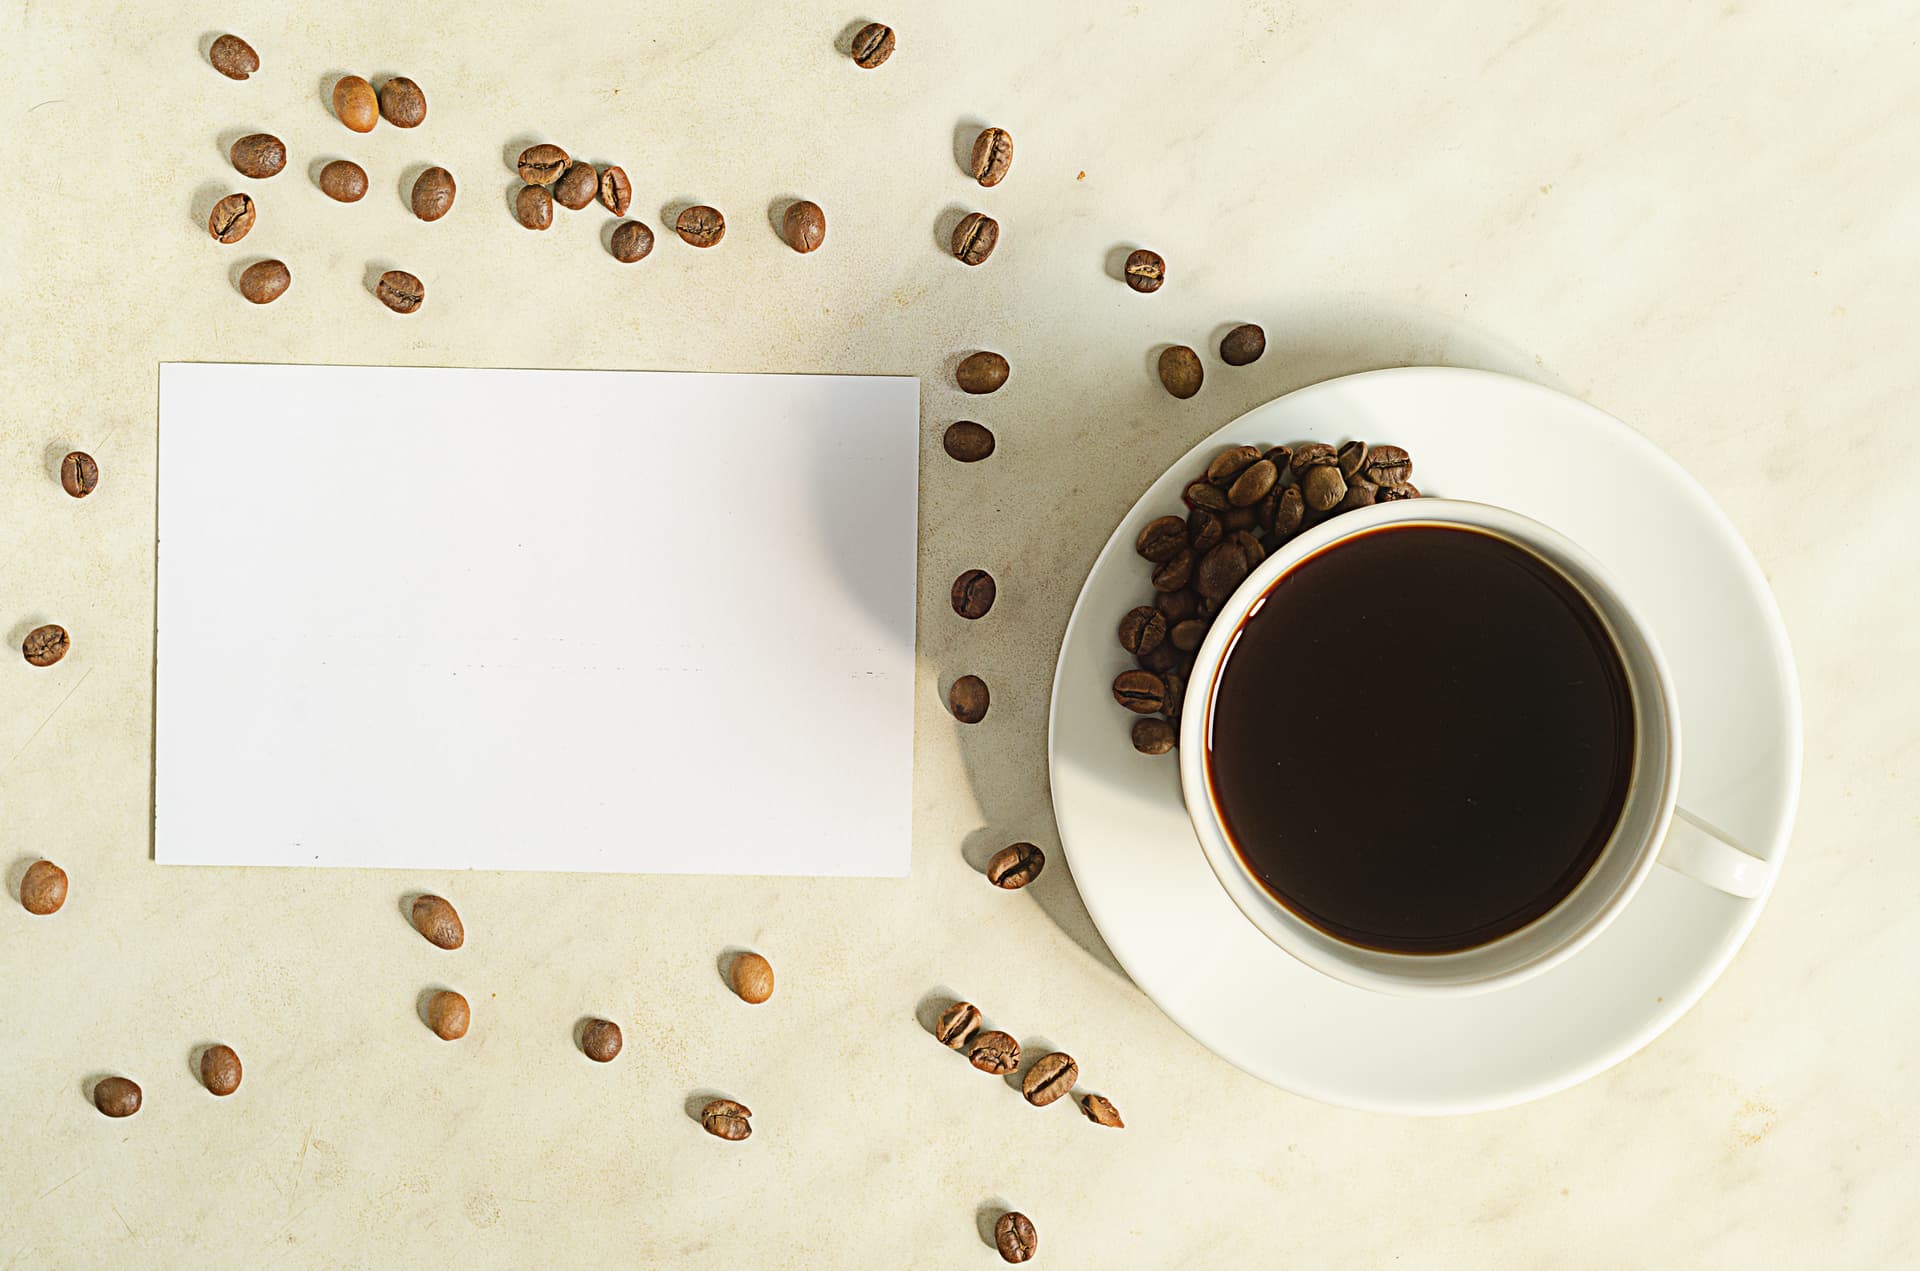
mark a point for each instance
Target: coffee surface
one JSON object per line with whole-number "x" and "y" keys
{"x": 1421, "y": 739}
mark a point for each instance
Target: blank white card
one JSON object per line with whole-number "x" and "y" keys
{"x": 569, "y": 620}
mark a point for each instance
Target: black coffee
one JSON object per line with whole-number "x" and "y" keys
{"x": 1421, "y": 739}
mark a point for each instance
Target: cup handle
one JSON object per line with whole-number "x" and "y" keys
{"x": 1702, "y": 853}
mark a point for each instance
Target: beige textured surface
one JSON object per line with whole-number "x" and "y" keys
{"x": 1699, "y": 217}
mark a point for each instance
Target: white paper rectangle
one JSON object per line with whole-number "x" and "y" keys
{"x": 570, "y": 620}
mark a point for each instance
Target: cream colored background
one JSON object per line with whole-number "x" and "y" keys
{"x": 1701, "y": 217}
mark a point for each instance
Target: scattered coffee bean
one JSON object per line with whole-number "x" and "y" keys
{"x": 1142, "y": 629}
{"x": 1100, "y": 1111}
{"x": 1153, "y": 736}
{"x": 1227, "y": 466}
{"x": 632, "y": 240}
{"x": 1187, "y": 636}
{"x": 400, "y": 291}
{"x": 1015, "y": 866}
{"x": 542, "y": 164}
{"x": 433, "y": 192}
{"x": 46, "y": 645}
{"x": 975, "y": 237}
{"x": 872, "y": 45}
{"x": 805, "y": 226}
{"x": 982, "y": 373}
{"x": 1147, "y": 272}
{"x": 448, "y": 1015}
{"x": 1314, "y": 454}
{"x": 700, "y": 226}
{"x": 577, "y": 186}
{"x": 533, "y": 207}
{"x": 967, "y": 441}
{"x": 726, "y": 1119}
{"x": 752, "y": 978}
{"x": 1180, "y": 371}
{"x": 354, "y": 103}
{"x": 43, "y": 888}
{"x": 1322, "y": 487}
{"x": 1388, "y": 465}
{"x": 402, "y": 104}
{"x": 220, "y": 1070}
{"x": 1289, "y": 512}
{"x": 79, "y": 474}
{"x": 1350, "y": 457}
{"x": 615, "y": 191}
{"x": 116, "y": 1097}
{"x": 973, "y": 594}
{"x": 957, "y": 1024}
{"x": 600, "y": 1040}
{"x": 265, "y": 281}
{"x": 1360, "y": 493}
{"x": 233, "y": 57}
{"x": 231, "y": 218}
{"x": 1177, "y": 605}
{"x": 438, "y": 921}
{"x": 1391, "y": 493}
{"x": 1220, "y": 571}
{"x": 1015, "y": 1238}
{"x": 1252, "y": 485}
{"x": 1050, "y": 1077}
{"x": 1162, "y": 539}
{"x": 1205, "y": 494}
{"x": 968, "y": 699}
{"x": 994, "y": 1052}
{"x": 992, "y": 156}
{"x": 258, "y": 155}
{"x": 1242, "y": 345}
{"x": 1141, "y": 692}
{"x": 344, "y": 181}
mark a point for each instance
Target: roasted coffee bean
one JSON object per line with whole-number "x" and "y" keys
{"x": 1360, "y": 493}
{"x": 957, "y": 1025}
{"x": 1249, "y": 545}
{"x": 1242, "y": 345}
{"x": 343, "y": 181}
{"x": 1145, "y": 271}
{"x": 968, "y": 699}
{"x": 79, "y": 474}
{"x": 433, "y": 192}
{"x": 973, "y": 594}
{"x": 438, "y": 921}
{"x": 355, "y": 104}
{"x": 116, "y": 1097}
{"x": 615, "y": 191}
{"x": 265, "y": 281}
{"x": 872, "y": 45}
{"x": 994, "y": 1052}
{"x": 1230, "y": 463}
{"x": 1178, "y": 605}
{"x": 220, "y": 1070}
{"x": 231, "y": 218}
{"x": 578, "y": 186}
{"x": 1322, "y": 487}
{"x": 1186, "y": 636}
{"x": 632, "y": 240}
{"x": 533, "y": 207}
{"x": 1015, "y": 1238}
{"x": 752, "y": 978}
{"x": 1160, "y": 659}
{"x": 982, "y": 373}
{"x": 1142, "y": 629}
{"x": 1209, "y": 606}
{"x": 1050, "y": 1077}
{"x": 1265, "y": 512}
{"x": 1391, "y": 493}
{"x": 1153, "y": 736}
{"x": 1281, "y": 457}
{"x": 1180, "y": 371}
{"x": 1220, "y": 571}
{"x": 233, "y": 57}
{"x": 1203, "y": 531}
{"x": 726, "y": 1119}
{"x": 448, "y": 1015}
{"x": 258, "y": 155}
{"x": 542, "y": 164}
{"x": 46, "y": 645}
{"x": 1173, "y": 573}
{"x": 400, "y": 291}
{"x": 402, "y": 104}
{"x": 975, "y": 237}
{"x": 1205, "y": 494}
{"x": 805, "y": 226}
{"x": 1015, "y": 866}
{"x": 1289, "y": 512}
{"x": 1141, "y": 692}
{"x": 1350, "y": 456}
{"x": 992, "y": 156}
{"x": 1252, "y": 485}
{"x": 1162, "y": 538}
{"x": 600, "y": 1040}
{"x": 1388, "y": 465}
{"x": 700, "y": 226}
{"x": 1100, "y": 1111}
{"x": 1314, "y": 454}
{"x": 43, "y": 888}
{"x": 1239, "y": 519}
{"x": 967, "y": 441}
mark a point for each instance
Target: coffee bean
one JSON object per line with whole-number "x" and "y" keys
{"x": 1160, "y": 659}
{"x": 1141, "y": 692}
{"x": 1322, "y": 487}
{"x": 1281, "y": 457}
{"x": 542, "y": 164}
{"x": 1350, "y": 456}
{"x": 968, "y": 699}
{"x": 726, "y": 1119}
{"x": 1252, "y": 485}
{"x": 265, "y": 281}
{"x": 1050, "y": 1077}
{"x": 448, "y": 1015}
{"x": 1250, "y": 548}
{"x": 752, "y": 978}
{"x": 1147, "y": 272}
{"x": 992, "y": 156}
{"x": 957, "y": 1025}
{"x": 1153, "y": 736}
{"x": 700, "y": 226}
{"x": 400, "y": 291}
{"x": 533, "y": 207}
{"x": 1203, "y": 531}
{"x": 1388, "y": 465}
{"x": 1162, "y": 538}
{"x": 1360, "y": 493}
{"x": 967, "y": 441}
{"x": 1243, "y": 345}
{"x": 1289, "y": 512}
{"x": 973, "y": 594}
{"x": 600, "y": 1040}
{"x": 46, "y": 645}
{"x": 354, "y": 103}
{"x": 1100, "y": 1111}
{"x": 1173, "y": 573}
{"x": 43, "y": 888}
{"x": 615, "y": 191}
{"x": 402, "y": 104}
{"x": 1209, "y": 606}
{"x": 632, "y": 240}
{"x": 116, "y": 1097}
{"x": 982, "y": 373}
{"x": 258, "y": 155}
{"x": 231, "y": 218}
{"x": 975, "y": 237}
{"x": 1178, "y": 605}
{"x": 578, "y": 186}
{"x": 438, "y": 921}
{"x": 1142, "y": 629}
{"x": 433, "y": 192}
{"x": 1313, "y": 455}
{"x": 1393, "y": 493}
{"x": 1220, "y": 571}
{"x": 872, "y": 45}
{"x": 233, "y": 57}
{"x": 1015, "y": 1238}
{"x": 220, "y": 1070}
{"x": 1230, "y": 463}
{"x": 1239, "y": 519}
{"x": 1186, "y": 636}
{"x": 1177, "y": 687}
{"x": 1180, "y": 371}
{"x": 805, "y": 226}
{"x": 994, "y": 1052}
{"x": 343, "y": 181}
{"x": 79, "y": 474}
{"x": 1015, "y": 866}
{"x": 1205, "y": 494}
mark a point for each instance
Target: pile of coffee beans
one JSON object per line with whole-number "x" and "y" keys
{"x": 994, "y": 1051}
{"x": 553, "y": 176}
{"x": 1249, "y": 501}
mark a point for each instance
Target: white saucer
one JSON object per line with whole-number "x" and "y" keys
{"x": 1473, "y": 435}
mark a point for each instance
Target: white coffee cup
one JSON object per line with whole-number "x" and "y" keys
{"x": 1651, "y": 827}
